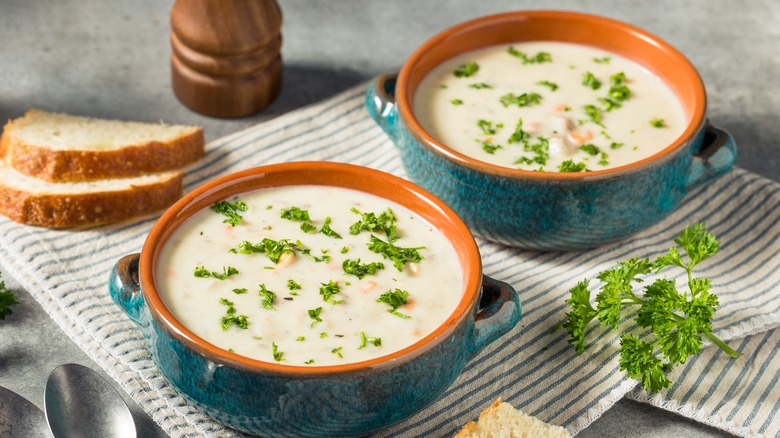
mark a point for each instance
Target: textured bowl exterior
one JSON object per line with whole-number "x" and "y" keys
{"x": 552, "y": 214}
{"x": 276, "y": 400}
{"x": 552, "y": 210}
{"x": 309, "y": 405}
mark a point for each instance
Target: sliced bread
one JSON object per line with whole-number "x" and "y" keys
{"x": 63, "y": 147}
{"x": 501, "y": 420}
{"x": 33, "y": 201}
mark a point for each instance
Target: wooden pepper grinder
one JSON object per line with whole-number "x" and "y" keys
{"x": 226, "y": 59}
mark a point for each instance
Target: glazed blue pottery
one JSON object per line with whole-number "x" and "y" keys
{"x": 276, "y": 400}
{"x": 552, "y": 210}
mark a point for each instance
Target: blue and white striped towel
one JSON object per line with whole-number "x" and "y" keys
{"x": 532, "y": 368}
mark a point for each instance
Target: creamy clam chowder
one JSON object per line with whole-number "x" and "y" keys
{"x": 548, "y": 106}
{"x": 309, "y": 275}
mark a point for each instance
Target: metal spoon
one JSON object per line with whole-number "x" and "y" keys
{"x": 80, "y": 403}
{"x": 19, "y": 418}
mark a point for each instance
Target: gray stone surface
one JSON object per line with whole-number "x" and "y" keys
{"x": 110, "y": 59}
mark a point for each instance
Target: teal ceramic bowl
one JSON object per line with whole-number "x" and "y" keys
{"x": 277, "y": 400}
{"x": 552, "y": 210}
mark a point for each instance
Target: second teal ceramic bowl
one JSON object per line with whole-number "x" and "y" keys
{"x": 552, "y": 210}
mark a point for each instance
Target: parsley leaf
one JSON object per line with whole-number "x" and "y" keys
{"x": 266, "y": 297}
{"x": 395, "y": 298}
{"x": 466, "y": 70}
{"x": 571, "y": 166}
{"x": 489, "y": 146}
{"x": 536, "y": 59}
{"x": 7, "y": 299}
{"x": 227, "y": 271}
{"x": 295, "y": 214}
{"x": 551, "y": 85}
{"x": 525, "y": 99}
{"x": 589, "y": 80}
{"x": 230, "y": 318}
{"x": 676, "y": 319}
{"x": 399, "y": 256}
{"x": 365, "y": 340}
{"x": 274, "y": 249}
{"x": 328, "y": 231}
{"x": 231, "y": 211}
{"x": 370, "y": 222}
{"x": 328, "y": 290}
{"x": 657, "y": 123}
{"x": 315, "y": 315}
{"x": 354, "y": 267}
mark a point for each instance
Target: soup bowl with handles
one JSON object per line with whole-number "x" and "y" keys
{"x": 351, "y": 399}
{"x": 546, "y": 210}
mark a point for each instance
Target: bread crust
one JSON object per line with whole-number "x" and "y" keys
{"x": 93, "y": 208}
{"x": 86, "y": 165}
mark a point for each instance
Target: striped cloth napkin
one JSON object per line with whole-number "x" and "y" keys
{"x": 532, "y": 367}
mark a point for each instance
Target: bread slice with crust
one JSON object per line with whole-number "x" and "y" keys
{"x": 33, "y": 201}
{"x": 63, "y": 147}
{"x": 501, "y": 420}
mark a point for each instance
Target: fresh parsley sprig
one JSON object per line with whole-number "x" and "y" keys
{"x": 677, "y": 319}
{"x": 7, "y": 299}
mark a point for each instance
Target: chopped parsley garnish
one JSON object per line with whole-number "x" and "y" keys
{"x": 571, "y": 166}
{"x": 293, "y": 285}
{"x": 480, "y": 86}
{"x": 353, "y": 267}
{"x": 609, "y": 104}
{"x": 328, "y": 231}
{"x": 603, "y": 159}
{"x": 267, "y": 297}
{"x": 337, "y": 351}
{"x": 307, "y": 227}
{"x": 590, "y": 149}
{"x": 487, "y": 126}
{"x": 399, "y": 256}
{"x": 541, "y": 151}
{"x": 456, "y": 101}
{"x": 619, "y": 91}
{"x": 230, "y": 318}
{"x": 466, "y": 70}
{"x": 7, "y": 299}
{"x": 604, "y": 60}
{"x": 594, "y": 113}
{"x": 371, "y": 222}
{"x": 227, "y": 271}
{"x": 551, "y": 85}
{"x": 309, "y": 362}
{"x": 519, "y": 135}
{"x": 657, "y": 123}
{"x": 272, "y": 248}
{"x": 365, "y": 340}
{"x": 525, "y": 99}
{"x": 489, "y": 146}
{"x": 536, "y": 59}
{"x": 324, "y": 258}
{"x": 615, "y": 145}
{"x": 240, "y": 291}
{"x": 328, "y": 290}
{"x": 295, "y": 214}
{"x": 395, "y": 298}
{"x": 589, "y": 80}
{"x": 278, "y": 355}
{"x": 315, "y": 315}
{"x": 230, "y": 210}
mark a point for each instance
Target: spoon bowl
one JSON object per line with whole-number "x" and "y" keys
{"x": 79, "y": 402}
{"x": 19, "y": 418}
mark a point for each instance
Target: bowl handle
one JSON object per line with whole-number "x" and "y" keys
{"x": 716, "y": 156}
{"x": 380, "y": 102}
{"x": 124, "y": 287}
{"x": 498, "y": 313}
